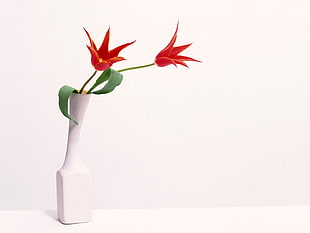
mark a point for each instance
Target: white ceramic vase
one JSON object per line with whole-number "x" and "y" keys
{"x": 74, "y": 196}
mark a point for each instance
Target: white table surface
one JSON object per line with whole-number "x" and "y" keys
{"x": 293, "y": 219}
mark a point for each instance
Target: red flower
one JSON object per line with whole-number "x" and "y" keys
{"x": 102, "y": 58}
{"x": 169, "y": 55}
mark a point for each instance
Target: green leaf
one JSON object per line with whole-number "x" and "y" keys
{"x": 105, "y": 75}
{"x": 64, "y": 95}
{"x": 115, "y": 79}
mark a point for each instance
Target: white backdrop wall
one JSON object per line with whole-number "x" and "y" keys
{"x": 233, "y": 130}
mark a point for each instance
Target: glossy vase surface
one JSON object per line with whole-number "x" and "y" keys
{"x": 74, "y": 196}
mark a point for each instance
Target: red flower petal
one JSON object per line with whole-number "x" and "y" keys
{"x": 103, "y": 51}
{"x": 178, "y": 49}
{"x": 114, "y": 52}
{"x": 183, "y": 58}
{"x": 94, "y": 55}
{"x": 164, "y": 61}
{"x": 101, "y": 66}
{"x": 167, "y": 50}
{"x": 116, "y": 59}
{"x": 180, "y": 62}
{"x": 92, "y": 44}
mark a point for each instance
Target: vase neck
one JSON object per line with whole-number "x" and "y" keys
{"x": 78, "y": 106}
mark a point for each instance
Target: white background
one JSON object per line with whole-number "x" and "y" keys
{"x": 233, "y": 130}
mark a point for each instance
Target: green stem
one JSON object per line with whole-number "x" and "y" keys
{"x": 84, "y": 85}
{"x": 136, "y": 67}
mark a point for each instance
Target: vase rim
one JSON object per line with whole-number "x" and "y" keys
{"x": 84, "y": 92}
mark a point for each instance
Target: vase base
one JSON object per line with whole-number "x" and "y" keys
{"x": 73, "y": 197}
{"x": 63, "y": 221}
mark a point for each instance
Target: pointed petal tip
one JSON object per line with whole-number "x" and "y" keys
{"x": 109, "y": 29}
{"x": 177, "y": 28}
